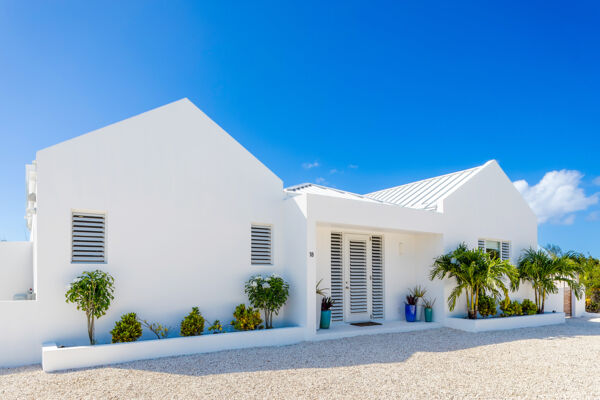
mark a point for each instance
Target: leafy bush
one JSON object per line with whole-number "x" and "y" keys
{"x": 487, "y": 305}
{"x": 160, "y": 331}
{"x": 510, "y": 308}
{"x": 267, "y": 293}
{"x": 246, "y": 318}
{"x": 326, "y": 303}
{"x": 529, "y": 307}
{"x": 92, "y": 292}
{"x": 193, "y": 323}
{"x": 591, "y": 306}
{"x": 216, "y": 327}
{"x": 128, "y": 329}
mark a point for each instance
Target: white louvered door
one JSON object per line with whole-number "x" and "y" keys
{"x": 357, "y": 289}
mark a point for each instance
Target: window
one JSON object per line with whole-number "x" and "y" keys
{"x": 495, "y": 248}
{"x": 88, "y": 238}
{"x": 261, "y": 253}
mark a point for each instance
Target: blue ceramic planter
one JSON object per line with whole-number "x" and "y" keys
{"x": 411, "y": 312}
{"x": 325, "y": 319}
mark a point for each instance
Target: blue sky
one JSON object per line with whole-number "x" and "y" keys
{"x": 357, "y": 95}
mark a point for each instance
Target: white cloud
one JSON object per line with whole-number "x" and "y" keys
{"x": 310, "y": 165}
{"x": 593, "y": 216}
{"x": 596, "y": 181}
{"x": 320, "y": 180}
{"x": 333, "y": 171}
{"x": 557, "y": 196}
{"x": 352, "y": 166}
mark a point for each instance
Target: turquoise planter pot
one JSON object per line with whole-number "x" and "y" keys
{"x": 325, "y": 319}
{"x": 428, "y": 314}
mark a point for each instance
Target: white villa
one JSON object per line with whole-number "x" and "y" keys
{"x": 178, "y": 206}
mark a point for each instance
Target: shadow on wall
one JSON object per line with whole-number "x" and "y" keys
{"x": 360, "y": 350}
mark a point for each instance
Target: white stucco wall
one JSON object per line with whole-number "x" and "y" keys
{"x": 16, "y": 268}
{"x": 180, "y": 196}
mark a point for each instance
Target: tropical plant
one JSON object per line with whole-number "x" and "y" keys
{"x": 246, "y": 318}
{"x": 268, "y": 293}
{"x": 92, "y": 292}
{"x": 486, "y": 305}
{"x": 428, "y": 302}
{"x": 216, "y": 327}
{"x": 193, "y": 323}
{"x": 418, "y": 292}
{"x": 159, "y": 330}
{"x": 411, "y": 300}
{"x": 544, "y": 269}
{"x": 510, "y": 308}
{"x": 326, "y": 303}
{"x": 128, "y": 329}
{"x": 529, "y": 307}
{"x": 321, "y": 291}
{"x": 475, "y": 272}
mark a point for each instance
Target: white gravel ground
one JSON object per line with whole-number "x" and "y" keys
{"x": 550, "y": 362}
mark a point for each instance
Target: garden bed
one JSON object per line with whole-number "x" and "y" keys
{"x": 55, "y": 358}
{"x": 498, "y": 323}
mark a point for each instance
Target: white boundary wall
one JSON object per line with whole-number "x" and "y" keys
{"x": 497, "y": 324}
{"x": 57, "y": 359}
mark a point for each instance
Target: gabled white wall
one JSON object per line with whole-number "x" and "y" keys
{"x": 179, "y": 195}
{"x": 489, "y": 206}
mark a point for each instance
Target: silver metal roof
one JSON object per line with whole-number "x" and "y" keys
{"x": 425, "y": 194}
{"x": 327, "y": 191}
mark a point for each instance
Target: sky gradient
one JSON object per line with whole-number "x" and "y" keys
{"x": 356, "y": 95}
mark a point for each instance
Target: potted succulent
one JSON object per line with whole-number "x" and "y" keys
{"x": 428, "y": 304}
{"x": 410, "y": 308}
{"x": 326, "y": 304}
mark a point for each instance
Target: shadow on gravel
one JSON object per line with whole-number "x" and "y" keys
{"x": 360, "y": 350}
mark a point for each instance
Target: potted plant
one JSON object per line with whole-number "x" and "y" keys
{"x": 326, "y": 304}
{"x": 410, "y": 308}
{"x": 428, "y": 304}
{"x": 419, "y": 292}
{"x": 320, "y": 293}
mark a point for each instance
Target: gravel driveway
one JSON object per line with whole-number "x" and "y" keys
{"x": 549, "y": 362}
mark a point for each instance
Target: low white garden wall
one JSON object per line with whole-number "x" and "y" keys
{"x": 57, "y": 359}
{"x": 496, "y": 324}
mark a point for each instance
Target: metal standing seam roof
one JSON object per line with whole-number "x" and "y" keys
{"x": 327, "y": 191}
{"x": 425, "y": 194}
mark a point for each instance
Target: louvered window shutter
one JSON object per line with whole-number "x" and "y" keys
{"x": 358, "y": 277}
{"x": 337, "y": 277}
{"x": 261, "y": 253}
{"x": 505, "y": 251}
{"x": 481, "y": 244}
{"x": 88, "y": 238}
{"x": 377, "y": 274}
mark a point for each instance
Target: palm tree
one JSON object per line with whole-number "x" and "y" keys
{"x": 475, "y": 272}
{"x": 543, "y": 269}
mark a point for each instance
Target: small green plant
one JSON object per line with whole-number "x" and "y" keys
{"x": 246, "y": 318}
{"x": 428, "y": 302}
{"x": 321, "y": 291}
{"x": 418, "y": 292}
{"x": 216, "y": 327}
{"x": 159, "y": 330}
{"x": 529, "y": 307}
{"x": 92, "y": 292}
{"x": 510, "y": 308}
{"x": 487, "y": 305}
{"x": 128, "y": 329}
{"x": 268, "y": 293}
{"x": 193, "y": 323}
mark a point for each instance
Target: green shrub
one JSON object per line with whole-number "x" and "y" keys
{"x": 510, "y": 308}
{"x": 216, "y": 327}
{"x": 246, "y": 318}
{"x": 529, "y": 307}
{"x": 159, "y": 330}
{"x": 268, "y": 293}
{"x": 486, "y": 306}
{"x": 193, "y": 323}
{"x": 128, "y": 329}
